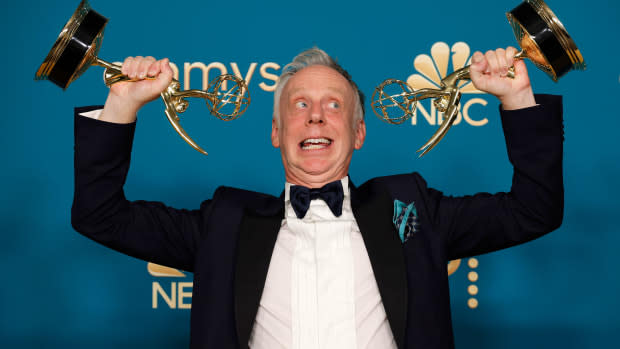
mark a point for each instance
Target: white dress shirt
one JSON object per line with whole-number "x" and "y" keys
{"x": 320, "y": 290}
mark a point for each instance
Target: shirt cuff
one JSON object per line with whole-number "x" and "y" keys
{"x": 93, "y": 114}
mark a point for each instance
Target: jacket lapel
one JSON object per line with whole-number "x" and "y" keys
{"x": 373, "y": 210}
{"x": 257, "y": 237}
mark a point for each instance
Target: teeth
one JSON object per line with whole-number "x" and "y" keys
{"x": 315, "y": 143}
{"x": 314, "y": 146}
{"x": 317, "y": 140}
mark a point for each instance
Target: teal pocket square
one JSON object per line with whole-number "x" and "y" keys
{"x": 405, "y": 219}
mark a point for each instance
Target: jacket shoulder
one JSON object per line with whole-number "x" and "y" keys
{"x": 397, "y": 185}
{"x": 260, "y": 203}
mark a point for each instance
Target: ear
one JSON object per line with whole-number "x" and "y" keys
{"x": 275, "y": 139}
{"x": 360, "y": 134}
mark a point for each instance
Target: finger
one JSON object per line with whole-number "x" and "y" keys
{"x": 154, "y": 69}
{"x": 500, "y": 53}
{"x": 126, "y": 64}
{"x": 144, "y": 66}
{"x": 132, "y": 68}
{"x": 478, "y": 63}
{"x": 493, "y": 68}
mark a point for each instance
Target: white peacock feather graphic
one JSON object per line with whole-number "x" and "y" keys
{"x": 432, "y": 70}
{"x": 163, "y": 271}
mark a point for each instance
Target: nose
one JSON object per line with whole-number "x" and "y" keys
{"x": 315, "y": 116}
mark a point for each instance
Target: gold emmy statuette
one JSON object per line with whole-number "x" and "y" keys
{"x": 543, "y": 40}
{"x": 76, "y": 49}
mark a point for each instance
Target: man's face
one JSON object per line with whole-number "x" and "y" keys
{"x": 317, "y": 133}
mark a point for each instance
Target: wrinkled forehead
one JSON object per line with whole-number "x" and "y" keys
{"x": 317, "y": 78}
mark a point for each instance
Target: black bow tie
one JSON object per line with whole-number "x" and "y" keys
{"x": 331, "y": 193}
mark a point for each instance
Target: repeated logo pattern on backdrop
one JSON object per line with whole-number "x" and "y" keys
{"x": 65, "y": 291}
{"x": 177, "y": 294}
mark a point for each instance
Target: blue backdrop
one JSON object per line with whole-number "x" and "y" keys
{"x": 62, "y": 290}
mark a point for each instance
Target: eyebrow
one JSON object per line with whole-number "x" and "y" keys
{"x": 332, "y": 89}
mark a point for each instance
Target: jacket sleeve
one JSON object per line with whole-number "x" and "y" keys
{"x": 147, "y": 230}
{"x": 481, "y": 223}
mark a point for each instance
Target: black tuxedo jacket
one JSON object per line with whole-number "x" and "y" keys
{"x": 228, "y": 242}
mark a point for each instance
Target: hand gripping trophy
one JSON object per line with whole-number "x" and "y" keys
{"x": 76, "y": 49}
{"x": 542, "y": 39}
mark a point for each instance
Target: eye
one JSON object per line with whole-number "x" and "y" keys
{"x": 333, "y": 105}
{"x": 301, "y": 105}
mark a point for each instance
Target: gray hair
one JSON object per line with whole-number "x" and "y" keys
{"x": 314, "y": 56}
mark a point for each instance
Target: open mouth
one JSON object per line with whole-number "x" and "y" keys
{"x": 315, "y": 143}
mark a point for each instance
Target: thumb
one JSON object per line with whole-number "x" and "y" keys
{"x": 477, "y": 68}
{"x": 521, "y": 76}
{"x": 520, "y": 68}
{"x": 165, "y": 76}
{"x": 478, "y": 64}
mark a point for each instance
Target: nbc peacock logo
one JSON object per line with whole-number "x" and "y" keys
{"x": 431, "y": 69}
{"x": 174, "y": 294}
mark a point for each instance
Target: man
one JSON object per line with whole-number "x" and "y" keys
{"x": 339, "y": 267}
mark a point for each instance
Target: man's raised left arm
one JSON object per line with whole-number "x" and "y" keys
{"x": 534, "y": 137}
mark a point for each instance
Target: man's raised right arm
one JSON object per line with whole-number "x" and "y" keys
{"x": 146, "y": 230}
